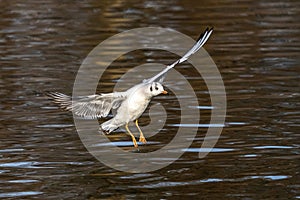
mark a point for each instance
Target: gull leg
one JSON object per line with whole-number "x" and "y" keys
{"x": 142, "y": 137}
{"x": 132, "y": 136}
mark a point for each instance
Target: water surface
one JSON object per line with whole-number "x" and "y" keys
{"x": 256, "y": 47}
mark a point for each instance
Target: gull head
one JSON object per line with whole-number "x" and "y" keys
{"x": 155, "y": 89}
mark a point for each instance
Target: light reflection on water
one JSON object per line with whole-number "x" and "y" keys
{"x": 210, "y": 180}
{"x": 19, "y": 194}
{"x": 256, "y": 47}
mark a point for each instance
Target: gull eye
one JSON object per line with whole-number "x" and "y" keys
{"x": 151, "y": 88}
{"x": 156, "y": 88}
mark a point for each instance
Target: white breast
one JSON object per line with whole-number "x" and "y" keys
{"x": 133, "y": 107}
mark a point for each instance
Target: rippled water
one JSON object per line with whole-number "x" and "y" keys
{"x": 256, "y": 47}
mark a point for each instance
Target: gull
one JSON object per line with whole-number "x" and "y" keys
{"x": 130, "y": 104}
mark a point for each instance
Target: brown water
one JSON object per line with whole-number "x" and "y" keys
{"x": 256, "y": 47}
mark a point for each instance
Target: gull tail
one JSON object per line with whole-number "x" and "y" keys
{"x": 108, "y": 126}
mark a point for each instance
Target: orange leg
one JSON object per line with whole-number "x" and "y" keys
{"x": 132, "y": 136}
{"x": 142, "y": 137}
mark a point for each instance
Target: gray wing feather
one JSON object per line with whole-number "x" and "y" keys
{"x": 200, "y": 42}
{"x": 92, "y": 106}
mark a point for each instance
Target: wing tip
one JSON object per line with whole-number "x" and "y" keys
{"x": 64, "y": 101}
{"x": 54, "y": 94}
{"x": 207, "y": 31}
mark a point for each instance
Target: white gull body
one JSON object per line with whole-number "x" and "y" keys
{"x": 129, "y": 104}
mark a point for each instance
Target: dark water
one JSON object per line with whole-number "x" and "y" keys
{"x": 256, "y": 47}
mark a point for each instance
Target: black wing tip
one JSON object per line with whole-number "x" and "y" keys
{"x": 52, "y": 95}
{"x": 61, "y": 99}
{"x": 58, "y": 98}
{"x": 207, "y": 30}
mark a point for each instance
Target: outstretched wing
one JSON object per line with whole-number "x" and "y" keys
{"x": 92, "y": 106}
{"x": 200, "y": 42}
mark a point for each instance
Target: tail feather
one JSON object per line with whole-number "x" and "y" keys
{"x": 108, "y": 126}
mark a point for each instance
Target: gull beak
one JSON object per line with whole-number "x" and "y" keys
{"x": 164, "y": 92}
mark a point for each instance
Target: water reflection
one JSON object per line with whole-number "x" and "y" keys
{"x": 19, "y": 194}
